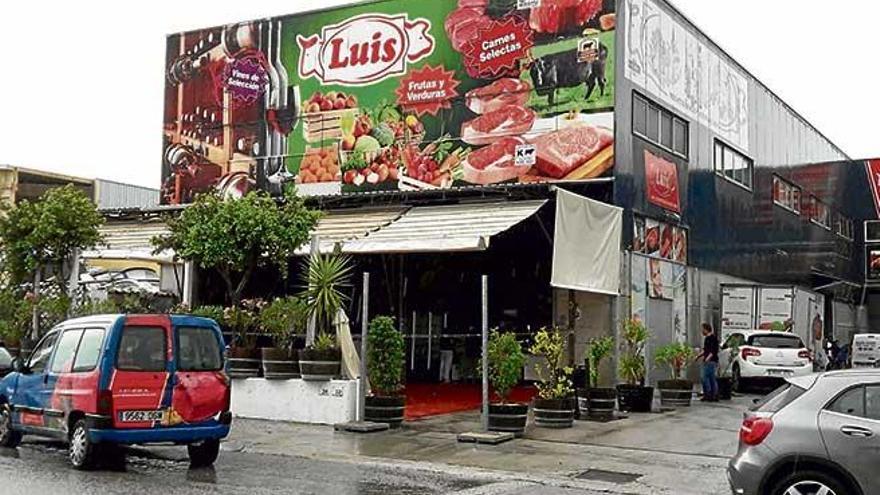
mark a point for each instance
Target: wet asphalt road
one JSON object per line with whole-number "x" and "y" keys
{"x": 37, "y": 468}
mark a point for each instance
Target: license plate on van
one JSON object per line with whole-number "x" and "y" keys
{"x": 141, "y": 416}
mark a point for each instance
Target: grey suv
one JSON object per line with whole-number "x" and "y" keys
{"x": 815, "y": 435}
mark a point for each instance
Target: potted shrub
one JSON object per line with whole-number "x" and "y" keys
{"x": 385, "y": 364}
{"x": 633, "y": 395}
{"x": 244, "y": 359}
{"x": 506, "y": 360}
{"x": 326, "y": 276}
{"x": 676, "y": 392}
{"x": 599, "y": 401}
{"x": 281, "y": 318}
{"x": 554, "y": 407}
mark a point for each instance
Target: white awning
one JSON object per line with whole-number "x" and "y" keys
{"x": 130, "y": 240}
{"x": 345, "y": 226}
{"x": 446, "y": 228}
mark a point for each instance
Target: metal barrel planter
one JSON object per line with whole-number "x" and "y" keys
{"x": 554, "y": 413}
{"x": 635, "y": 398}
{"x": 319, "y": 365}
{"x": 601, "y": 403}
{"x": 675, "y": 393}
{"x": 508, "y": 418}
{"x": 244, "y": 363}
{"x": 279, "y": 364}
{"x": 390, "y": 410}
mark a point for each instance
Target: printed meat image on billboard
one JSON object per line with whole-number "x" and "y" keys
{"x": 395, "y": 95}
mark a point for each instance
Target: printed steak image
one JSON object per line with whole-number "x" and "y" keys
{"x": 563, "y": 16}
{"x": 560, "y": 152}
{"x": 510, "y": 120}
{"x": 494, "y": 163}
{"x": 464, "y": 23}
{"x": 503, "y": 92}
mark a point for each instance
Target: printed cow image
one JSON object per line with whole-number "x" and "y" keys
{"x": 565, "y": 70}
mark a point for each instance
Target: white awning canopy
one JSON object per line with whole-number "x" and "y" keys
{"x": 346, "y": 226}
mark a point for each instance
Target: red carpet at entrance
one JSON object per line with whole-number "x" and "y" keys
{"x": 432, "y": 399}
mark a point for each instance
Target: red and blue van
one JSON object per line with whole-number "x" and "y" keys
{"x": 102, "y": 381}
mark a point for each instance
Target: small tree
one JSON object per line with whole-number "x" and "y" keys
{"x": 597, "y": 351}
{"x": 554, "y": 382}
{"x": 237, "y": 236}
{"x": 632, "y": 359}
{"x": 506, "y": 360}
{"x": 676, "y": 356}
{"x": 385, "y": 352}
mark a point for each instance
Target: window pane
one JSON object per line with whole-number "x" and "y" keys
{"x": 779, "y": 398}
{"x": 851, "y": 403}
{"x": 89, "y": 350}
{"x": 719, "y": 158}
{"x": 198, "y": 350}
{"x": 40, "y": 356}
{"x": 640, "y": 120}
{"x": 666, "y": 129}
{"x": 653, "y": 128}
{"x": 747, "y": 172}
{"x": 796, "y": 199}
{"x": 63, "y": 360}
{"x": 872, "y": 402}
{"x": 681, "y": 137}
{"x": 729, "y": 162}
{"x": 776, "y": 341}
{"x": 142, "y": 349}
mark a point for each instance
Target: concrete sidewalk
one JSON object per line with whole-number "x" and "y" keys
{"x": 678, "y": 452}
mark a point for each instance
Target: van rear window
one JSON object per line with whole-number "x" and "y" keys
{"x": 142, "y": 349}
{"x": 198, "y": 349}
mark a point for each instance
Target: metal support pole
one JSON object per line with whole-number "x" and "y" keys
{"x": 412, "y": 352}
{"x": 189, "y": 270}
{"x": 35, "y": 316}
{"x": 362, "y": 382}
{"x": 485, "y": 360}
{"x": 430, "y": 336}
{"x": 311, "y": 329}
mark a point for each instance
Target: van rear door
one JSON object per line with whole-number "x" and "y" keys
{"x": 140, "y": 388}
{"x": 201, "y": 387}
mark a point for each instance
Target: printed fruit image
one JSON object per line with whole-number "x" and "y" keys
{"x": 331, "y": 100}
{"x": 384, "y": 134}
{"x": 436, "y": 165}
{"x": 348, "y": 143}
{"x": 367, "y": 144}
{"x": 319, "y": 165}
{"x": 371, "y": 169}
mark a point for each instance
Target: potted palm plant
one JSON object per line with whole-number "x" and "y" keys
{"x": 282, "y": 318}
{"x": 385, "y": 364}
{"x": 554, "y": 407}
{"x": 326, "y": 277}
{"x": 506, "y": 360}
{"x": 599, "y": 401}
{"x": 633, "y": 395}
{"x": 676, "y": 392}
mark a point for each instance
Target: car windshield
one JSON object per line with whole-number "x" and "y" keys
{"x": 776, "y": 341}
{"x": 779, "y": 398}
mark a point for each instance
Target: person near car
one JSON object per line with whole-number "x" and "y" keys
{"x": 709, "y": 356}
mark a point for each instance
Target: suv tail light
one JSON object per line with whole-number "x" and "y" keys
{"x": 805, "y": 354}
{"x": 105, "y": 402}
{"x": 748, "y": 351}
{"x": 755, "y": 430}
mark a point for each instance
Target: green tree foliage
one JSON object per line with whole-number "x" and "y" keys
{"x": 237, "y": 236}
{"x": 676, "y": 356}
{"x": 597, "y": 351}
{"x": 385, "y": 356}
{"x": 554, "y": 382}
{"x": 283, "y": 318}
{"x": 506, "y": 360}
{"x": 632, "y": 359}
{"x": 326, "y": 276}
{"x": 46, "y": 233}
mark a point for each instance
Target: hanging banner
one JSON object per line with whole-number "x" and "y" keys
{"x": 873, "y": 169}
{"x": 775, "y": 308}
{"x": 737, "y": 308}
{"x": 639, "y": 289}
{"x": 679, "y": 303}
{"x": 661, "y": 177}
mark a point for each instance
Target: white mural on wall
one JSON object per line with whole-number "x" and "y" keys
{"x": 675, "y": 66}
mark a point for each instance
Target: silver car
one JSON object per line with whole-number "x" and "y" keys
{"x": 816, "y": 435}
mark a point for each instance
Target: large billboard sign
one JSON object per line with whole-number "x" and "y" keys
{"x": 392, "y": 95}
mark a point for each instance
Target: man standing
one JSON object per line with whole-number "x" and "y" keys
{"x": 710, "y": 364}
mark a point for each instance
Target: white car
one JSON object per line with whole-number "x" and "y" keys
{"x": 752, "y": 355}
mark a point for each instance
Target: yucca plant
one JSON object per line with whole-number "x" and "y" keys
{"x": 327, "y": 276}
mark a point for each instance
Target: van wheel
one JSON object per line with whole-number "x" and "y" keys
{"x": 203, "y": 454}
{"x": 809, "y": 483}
{"x": 82, "y": 452}
{"x": 8, "y": 437}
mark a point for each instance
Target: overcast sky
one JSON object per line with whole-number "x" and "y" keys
{"x": 81, "y": 82}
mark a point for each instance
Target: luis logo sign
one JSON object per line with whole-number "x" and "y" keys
{"x": 365, "y": 49}
{"x": 662, "y": 182}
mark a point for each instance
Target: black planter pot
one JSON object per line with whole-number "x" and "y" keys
{"x": 319, "y": 365}
{"x": 244, "y": 363}
{"x": 725, "y": 388}
{"x": 279, "y": 364}
{"x": 675, "y": 393}
{"x": 554, "y": 413}
{"x": 597, "y": 404}
{"x": 379, "y": 409}
{"x": 635, "y": 398}
{"x": 509, "y": 418}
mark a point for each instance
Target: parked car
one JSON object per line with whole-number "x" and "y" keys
{"x": 102, "y": 381}
{"x": 817, "y": 434}
{"x": 866, "y": 350}
{"x": 756, "y": 355}
{"x": 5, "y": 362}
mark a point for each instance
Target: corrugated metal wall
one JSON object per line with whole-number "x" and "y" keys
{"x": 115, "y": 195}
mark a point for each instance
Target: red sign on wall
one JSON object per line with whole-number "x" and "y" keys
{"x": 662, "y": 180}
{"x": 498, "y": 48}
{"x": 873, "y": 169}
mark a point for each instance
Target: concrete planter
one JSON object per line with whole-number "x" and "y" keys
{"x": 324, "y": 402}
{"x": 508, "y": 418}
{"x": 243, "y": 363}
{"x": 319, "y": 365}
{"x": 554, "y": 413}
{"x": 635, "y": 398}
{"x": 675, "y": 393}
{"x": 280, "y": 364}
{"x": 390, "y": 410}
